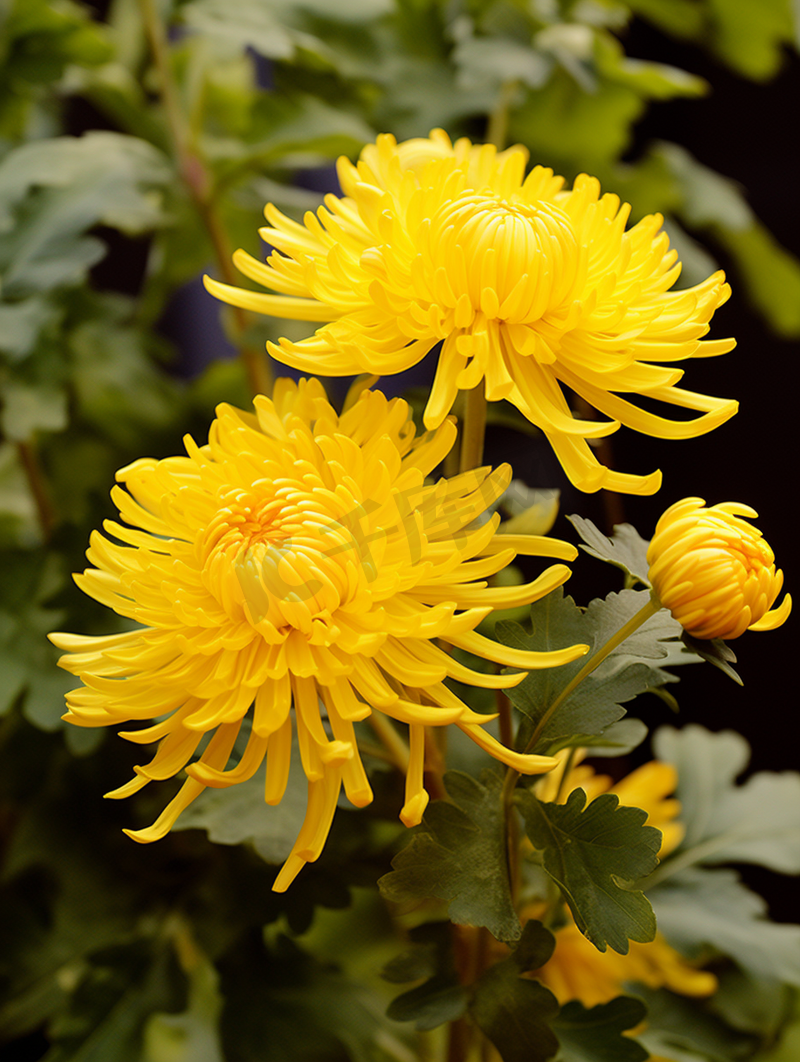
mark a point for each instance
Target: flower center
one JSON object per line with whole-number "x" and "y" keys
{"x": 282, "y": 557}
{"x": 519, "y": 260}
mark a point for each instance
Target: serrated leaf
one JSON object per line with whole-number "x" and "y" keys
{"x": 626, "y": 549}
{"x": 458, "y": 854}
{"x": 21, "y": 324}
{"x": 756, "y": 822}
{"x": 596, "y": 854}
{"x": 515, "y": 1013}
{"x": 712, "y": 908}
{"x": 596, "y": 1034}
{"x": 596, "y": 703}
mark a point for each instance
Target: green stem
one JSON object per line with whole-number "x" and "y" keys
{"x": 474, "y": 429}
{"x": 29, "y": 460}
{"x": 645, "y": 612}
{"x": 194, "y": 174}
{"x": 497, "y": 128}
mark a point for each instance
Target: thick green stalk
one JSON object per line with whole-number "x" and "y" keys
{"x": 473, "y": 428}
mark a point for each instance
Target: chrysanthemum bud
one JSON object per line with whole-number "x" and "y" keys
{"x": 714, "y": 571}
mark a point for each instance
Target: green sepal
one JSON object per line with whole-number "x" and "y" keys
{"x": 715, "y": 652}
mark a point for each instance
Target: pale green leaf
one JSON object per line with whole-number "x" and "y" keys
{"x": 755, "y": 822}
{"x": 496, "y": 60}
{"x": 238, "y": 814}
{"x": 701, "y": 908}
{"x": 626, "y": 549}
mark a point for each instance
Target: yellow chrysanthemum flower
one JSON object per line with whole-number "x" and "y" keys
{"x": 577, "y": 970}
{"x": 530, "y": 287}
{"x": 714, "y": 571}
{"x": 299, "y": 559}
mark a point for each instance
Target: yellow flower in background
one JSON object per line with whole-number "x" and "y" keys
{"x": 299, "y": 560}
{"x": 530, "y": 287}
{"x": 577, "y": 970}
{"x": 714, "y": 571}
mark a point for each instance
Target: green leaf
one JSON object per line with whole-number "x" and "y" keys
{"x": 596, "y": 1034}
{"x": 619, "y": 739}
{"x": 787, "y": 1049}
{"x": 701, "y": 908}
{"x": 596, "y": 855}
{"x": 626, "y": 549}
{"x": 25, "y": 620}
{"x": 21, "y": 323}
{"x": 684, "y": 1030}
{"x": 495, "y": 60}
{"x": 28, "y": 410}
{"x": 112, "y": 1003}
{"x": 441, "y": 998}
{"x": 53, "y": 190}
{"x": 596, "y": 703}
{"x": 756, "y": 822}
{"x": 306, "y": 1010}
{"x": 716, "y": 203}
{"x": 751, "y": 39}
{"x": 192, "y": 1036}
{"x": 458, "y": 854}
{"x": 515, "y": 1013}
{"x": 19, "y": 522}
{"x": 648, "y": 79}
{"x": 238, "y": 814}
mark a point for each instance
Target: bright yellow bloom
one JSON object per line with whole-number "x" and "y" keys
{"x": 577, "y": 970}
{"x": 530, "y": 287}
{"x": 714, "y": 571}
{"x": 299, "y": 559}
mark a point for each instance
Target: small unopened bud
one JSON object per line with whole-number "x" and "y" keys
{"x": 714, "y": 571}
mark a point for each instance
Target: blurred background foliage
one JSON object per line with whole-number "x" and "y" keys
{"x": 139, "y": 140}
